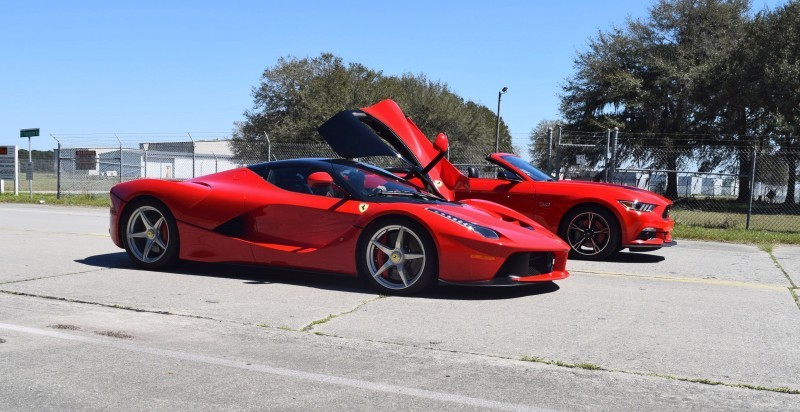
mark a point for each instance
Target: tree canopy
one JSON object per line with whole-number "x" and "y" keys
{"x": 710, "y": 68}
{"x": 297, "y": 95}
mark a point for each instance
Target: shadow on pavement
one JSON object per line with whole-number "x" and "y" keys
{"x": 264, "y": 275}
{"x": 635, "y": 257}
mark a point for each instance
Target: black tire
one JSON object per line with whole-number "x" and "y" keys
{"x": 150, "y": 235}
{"x": 592, "y": 232}
{"x": 400, "y": 268}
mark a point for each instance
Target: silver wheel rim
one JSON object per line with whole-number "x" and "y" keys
{"x": 395, "y": 257}
{"x": 148, "y": 234}
{"x": 588, "y": 234}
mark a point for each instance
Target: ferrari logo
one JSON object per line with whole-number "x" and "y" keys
{"x": 363, "y": 207}
{"x": 437, "y": 183}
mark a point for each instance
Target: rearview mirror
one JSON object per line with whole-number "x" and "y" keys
{"x": 320, "y": 179}
{"x": 441, "y": 143}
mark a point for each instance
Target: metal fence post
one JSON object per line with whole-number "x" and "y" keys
{"x": 120, "y": 157}
{"x": 146, "y": 146}
{"x": 194, "y": 149}
{"x": 58, "y": 168}
{"x": 608, "y": 149}
{"x": 269, "y": 147}
{"x": 614, "y": 152}
{"x": 558, "y": 154}
{"x": 549, "y": 150}
{"x": 752, "y": 187}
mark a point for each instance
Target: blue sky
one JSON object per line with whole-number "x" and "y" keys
{"x": 89, "y": 67}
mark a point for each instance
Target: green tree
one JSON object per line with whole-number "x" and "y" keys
{"x": 643, "y": 77}
{"x": 297, "y": 95}
{"x": 779, "y": 37}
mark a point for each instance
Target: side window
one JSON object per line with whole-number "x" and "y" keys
{"x": 293, "y": 179}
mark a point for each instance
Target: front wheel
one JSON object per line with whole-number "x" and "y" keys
{"x": 397, "y": 256}
{"x": 592, "y": 232}
{"x": 151, "y": 235}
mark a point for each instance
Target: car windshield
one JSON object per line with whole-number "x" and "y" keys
{"x": 367, "y": 181}
{"x": 527, "y": 168}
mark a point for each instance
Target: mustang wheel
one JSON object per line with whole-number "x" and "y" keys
{"x": 591, "y": 232}
{"x": 397, "y": 256}
{"x": 151, "y": 235}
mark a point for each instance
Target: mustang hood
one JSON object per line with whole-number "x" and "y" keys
{"x": 383, "y": 130}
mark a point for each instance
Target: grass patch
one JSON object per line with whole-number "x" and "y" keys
{"x": 579, "y": 365}
{"x": 93, "y": 200}
{"x": 759, "y": 237}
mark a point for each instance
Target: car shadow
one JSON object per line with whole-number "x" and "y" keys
{"x": 634, "y": 257}
{"x": 264, "y": 275}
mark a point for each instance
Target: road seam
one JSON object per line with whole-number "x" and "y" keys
{"x": 55, "y": 276}
{"x": 793, "y": 288}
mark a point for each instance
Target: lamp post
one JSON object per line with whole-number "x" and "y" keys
{"x": 497, "y": 133}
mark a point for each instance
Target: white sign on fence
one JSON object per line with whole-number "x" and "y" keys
{"x": 9, "y": 165}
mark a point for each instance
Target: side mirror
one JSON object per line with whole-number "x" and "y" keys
{"x": 507, "y": 175}
{"x": 319, "y": 179}
{"x": 441, "y": 143}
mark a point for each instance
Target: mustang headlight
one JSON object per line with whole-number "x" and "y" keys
{"x": 481, "y": 230}
{"x": 637, "y": 205}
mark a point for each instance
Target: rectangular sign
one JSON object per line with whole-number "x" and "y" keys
{"x": 85, "y": 160}
{"x": 28, "y": 132}
{"x": 8, "y": 162}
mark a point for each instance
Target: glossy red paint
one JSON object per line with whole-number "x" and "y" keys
{"x": 239, "y": 216}
{"x": 549, "y": 202}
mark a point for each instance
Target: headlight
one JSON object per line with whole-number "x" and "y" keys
{"x": 481, "y": 230}
{"x": 637, "y": 206}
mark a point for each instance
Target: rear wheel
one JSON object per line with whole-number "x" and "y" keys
{"x": 397, "y": 256}
{"x": 151, "y": 235}
{"x": 592, "y": 232}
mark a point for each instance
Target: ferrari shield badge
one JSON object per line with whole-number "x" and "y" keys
{"x": 363, "y": 207}
{"x": 437, "y": 183}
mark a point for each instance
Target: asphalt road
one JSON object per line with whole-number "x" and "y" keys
{"x": 699, "y": 326}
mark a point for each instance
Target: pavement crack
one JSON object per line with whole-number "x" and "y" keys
{"x": 54, "y": 276}
{"x": 107, "y": 305}
{"x": 307, "y": 328}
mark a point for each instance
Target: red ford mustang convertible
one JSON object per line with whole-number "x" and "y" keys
{"x": 341, "y": 216}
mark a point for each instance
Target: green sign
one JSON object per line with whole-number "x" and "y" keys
{"x": 28, "y": 132}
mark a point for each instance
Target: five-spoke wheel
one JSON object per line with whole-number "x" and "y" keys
{"x": 397, "y": 256}
{"x": 151, "y": 235}
{"x": 591, "y": 232}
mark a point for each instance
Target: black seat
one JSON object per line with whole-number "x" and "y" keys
{"x": 473, "y": 172}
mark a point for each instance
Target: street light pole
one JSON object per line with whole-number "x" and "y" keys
{"x": 497, "y": 133}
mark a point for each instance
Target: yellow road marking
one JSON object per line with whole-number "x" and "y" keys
{"x": 680, "y": 279}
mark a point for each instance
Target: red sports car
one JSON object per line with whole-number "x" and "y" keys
{"x": 337, "y": 215}
{"x": 596, "y": 219}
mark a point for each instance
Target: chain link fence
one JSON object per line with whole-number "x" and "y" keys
{"x": 714, "y": 182}
{"x": 709, "y": 182}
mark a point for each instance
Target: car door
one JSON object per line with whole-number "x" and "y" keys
{"x": 292, "y": 217}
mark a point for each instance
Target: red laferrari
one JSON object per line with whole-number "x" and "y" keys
{"x": 340, "y": 216}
